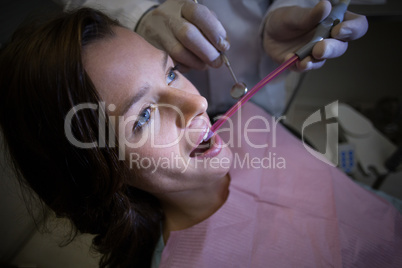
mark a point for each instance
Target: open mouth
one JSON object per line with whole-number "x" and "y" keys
{"x": 201, "y": 148}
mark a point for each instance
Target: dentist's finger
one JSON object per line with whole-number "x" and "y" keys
{"x": 205, "y": 20}
{"x": 308, "y": 63}
{"x": 181, "y": 54}
{"x": 353, "y": 27}
{"x": 193, "y": 40}
{"x": 290, "y": 22}
{"x": 329, "y": 48}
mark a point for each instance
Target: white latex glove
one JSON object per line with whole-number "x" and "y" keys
{"x": 289, "y": 28}
{"x": 189, "y": 32}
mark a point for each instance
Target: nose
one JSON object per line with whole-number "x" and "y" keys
{"x": 187, "y": 105}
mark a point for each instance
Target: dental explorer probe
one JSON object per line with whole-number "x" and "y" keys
{"x": 322, "y": 31}
{"x": 239, "y": 89}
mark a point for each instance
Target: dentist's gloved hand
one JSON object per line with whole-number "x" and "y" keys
{"x": 189, "y": 32}
{"x": 289, "y": 28}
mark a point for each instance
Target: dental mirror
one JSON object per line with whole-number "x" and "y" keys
{"x": 239, "y": 89}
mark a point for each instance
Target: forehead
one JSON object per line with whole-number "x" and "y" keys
{"x": 106, "y": 52}
{"x": 120, "y": 64}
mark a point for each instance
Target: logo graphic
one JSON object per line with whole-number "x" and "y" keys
{"x": 328, "y": 116}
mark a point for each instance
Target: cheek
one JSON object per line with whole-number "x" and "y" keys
{"x": 158, "y": 139}
{"x": 151, "y": 171}
{"x": 166, "y": 133}
{"x": 148, "y": 158}
{"x": 143, "y": 164}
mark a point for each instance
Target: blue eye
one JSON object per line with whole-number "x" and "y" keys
{"x": 172, "y": 75}
{"x": 143, "y": 119}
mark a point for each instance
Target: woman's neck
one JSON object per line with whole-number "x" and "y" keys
{"x": 185, "y": 209}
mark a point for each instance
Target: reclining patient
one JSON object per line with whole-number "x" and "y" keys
{"x": 109, "y": 135}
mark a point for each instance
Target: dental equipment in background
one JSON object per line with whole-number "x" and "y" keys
{"x": 239, "y": 89}
{"x": 322, "y": 31}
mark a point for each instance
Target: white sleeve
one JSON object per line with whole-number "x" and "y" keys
{"x": 127, "y": 12}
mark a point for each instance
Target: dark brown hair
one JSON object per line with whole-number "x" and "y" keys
{"x": 41, "y": 78}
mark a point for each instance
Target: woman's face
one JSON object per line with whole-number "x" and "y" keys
{"x": 160, "y": 116}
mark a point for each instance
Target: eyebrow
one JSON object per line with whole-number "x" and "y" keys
{"x": 144, "y": 89}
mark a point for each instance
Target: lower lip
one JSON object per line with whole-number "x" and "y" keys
{"x": 215, "y": 149}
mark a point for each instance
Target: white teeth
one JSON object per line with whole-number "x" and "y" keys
{"x": 206, "y": 135}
